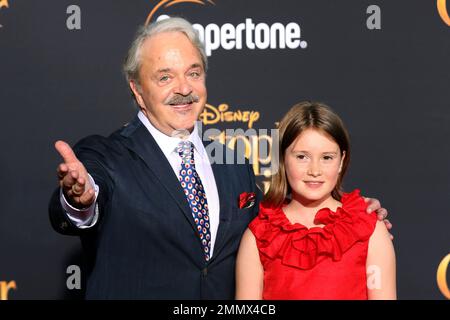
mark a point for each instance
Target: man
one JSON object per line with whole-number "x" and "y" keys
{"x": 156, "y": 218}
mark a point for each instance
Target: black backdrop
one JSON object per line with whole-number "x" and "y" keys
{"x": 390, "y": 85}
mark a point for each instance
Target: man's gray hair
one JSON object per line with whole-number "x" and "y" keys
{"x": 132, "y": 62}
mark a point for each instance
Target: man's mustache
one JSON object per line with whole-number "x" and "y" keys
{"x": 178, "y": 99}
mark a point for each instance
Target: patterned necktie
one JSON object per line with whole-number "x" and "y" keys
{"x": 195, "y": 194}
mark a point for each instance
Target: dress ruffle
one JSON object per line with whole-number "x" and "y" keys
{"x": 300, "y": 247}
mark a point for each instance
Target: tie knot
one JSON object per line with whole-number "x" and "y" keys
{"x": 186, "y": 150}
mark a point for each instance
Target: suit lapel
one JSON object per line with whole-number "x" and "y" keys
{"x": 141, "y": 142}
{"x": 221, "y": 176}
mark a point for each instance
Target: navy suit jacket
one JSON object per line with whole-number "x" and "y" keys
{"x": 145, "y": 244}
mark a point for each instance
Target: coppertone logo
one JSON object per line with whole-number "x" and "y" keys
{"x": 248, "y": 34}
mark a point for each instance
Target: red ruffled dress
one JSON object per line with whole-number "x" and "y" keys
{"x": 315, "y": 263}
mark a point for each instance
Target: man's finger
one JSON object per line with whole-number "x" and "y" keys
{"x": 382, "y": 214}
{"x": 69, "y": 180}
{"x": 374, "y": 205}
{"x": 388, "y": 224}
{"x": 78, "y": 187}
{"x": 87, "y": 198}
{"x": 62, "y": 170}
{"x": 65, "y": 151}
{"x": 74, "y": 174}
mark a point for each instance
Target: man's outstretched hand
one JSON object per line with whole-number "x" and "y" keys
{"x": 73, "y": 178}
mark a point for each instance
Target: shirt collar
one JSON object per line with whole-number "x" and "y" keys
{"x": 169, "y": 144}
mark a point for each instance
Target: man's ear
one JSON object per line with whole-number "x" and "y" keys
{"x": 342, "y": 162}
{"x": 137, "y": 94}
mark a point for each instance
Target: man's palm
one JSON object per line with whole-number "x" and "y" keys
{"x": 73, "y": 178}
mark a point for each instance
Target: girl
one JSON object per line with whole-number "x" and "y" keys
{"x": 319, "y": 243}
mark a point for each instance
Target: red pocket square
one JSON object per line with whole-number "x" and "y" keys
{"x": 246, "y": 200}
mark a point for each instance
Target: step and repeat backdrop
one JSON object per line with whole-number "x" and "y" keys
{"x": 383, "y": 66}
